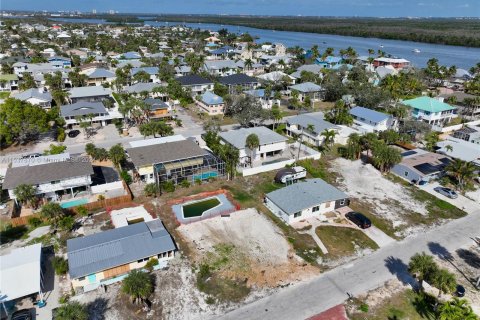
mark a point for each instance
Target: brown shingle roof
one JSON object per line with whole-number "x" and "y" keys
{"x": 164, "y": 152}
{"x": 44, "y": 173}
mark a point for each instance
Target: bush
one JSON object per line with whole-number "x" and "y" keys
{"x": 60, "y": 135}
{"x": 185, "y": 184}
{"x": 60, "y": 265}
{"x": 82, "y": 210}
{"x": 64, "y": 299}
{"x": 210, "y": 300}
{"x": 150, "y": 190}
{"x": 198, "y": 181}
{"x": 126, "y": 177}
{"x": 66, "y": 223}
{"x": 150, "y": 264}
{"x": 34, "y": 222}
{"x": 364, "y": 307}
{"x": 168, "y": 186}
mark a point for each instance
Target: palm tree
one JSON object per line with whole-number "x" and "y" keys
{"x": 462, "y": 171}
{"x": 116, "y": 154}
{"x": 449, "y": 148}
{"x": 248, "y": 64}
{"x": 59, "y": 96}
{"x": 444, "y": 281}
{"x": 328, "y": 137}
{"x": 354, "y": 146}
{"x": 138, "y": 285}
{"x": 71, "y": 311}
{"x": 25, "y": 194}
{"x": 423, "y": 266}
{"x": 53, "y": 212}
{"x": 252, "y": 143}
{"x": 456, "y": 309}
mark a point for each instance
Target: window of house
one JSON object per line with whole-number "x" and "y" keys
{"x": 56, "y": 181}
{"x": 297, "y": 214}
{"x": 315, "y": 209}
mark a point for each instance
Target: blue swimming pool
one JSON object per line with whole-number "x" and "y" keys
{"x": 74, "y": 203}
{"x": 205, "y": 175}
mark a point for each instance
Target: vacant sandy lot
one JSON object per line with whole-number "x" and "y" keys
{"x": 264, "y": 257}
{"x": 389, "y": 200}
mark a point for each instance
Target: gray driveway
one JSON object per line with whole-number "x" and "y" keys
{"x": 461, "y": 202}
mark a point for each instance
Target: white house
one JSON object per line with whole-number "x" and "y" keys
{"x": 302, "y": 200}
{"x": 299, "y": 126}
{"x": 309, "y": 89}
{"x": 52, "y": 176}
{"x": 271, "y": 144}
{"x": 430, "y": 110}
{"x": 36, "y": 96}
{"x": 368, "y": 120}
{"x": 195, "y": 83}
{"x": 8, "y": 82}
{"x": 267, "y": 102}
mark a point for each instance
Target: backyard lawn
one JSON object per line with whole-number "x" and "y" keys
{"x": 342, "y": 242}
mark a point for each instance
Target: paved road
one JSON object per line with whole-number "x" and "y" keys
{"x": 303, "y": 300}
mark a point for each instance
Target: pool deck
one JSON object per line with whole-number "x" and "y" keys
{"x": 224, "y": 206}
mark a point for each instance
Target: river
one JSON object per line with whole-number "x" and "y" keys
{"x": 462, "y": 57}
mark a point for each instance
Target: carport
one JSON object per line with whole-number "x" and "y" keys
{"x": 21, "y": 274}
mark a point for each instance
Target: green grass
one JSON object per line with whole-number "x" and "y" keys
{"x": 4, "y": 95}
{"x": 404, "y": 305}
{"x": 341, "y": 242}
{"x": 383, "y": 224}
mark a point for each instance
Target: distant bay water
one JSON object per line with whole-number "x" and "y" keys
{"x": 461, "y": 57}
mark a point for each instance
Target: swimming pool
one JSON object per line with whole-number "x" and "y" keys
{"x": 74, "y": 203}
{"x": 205, "y": 175}
{"x": 197, "y": 208}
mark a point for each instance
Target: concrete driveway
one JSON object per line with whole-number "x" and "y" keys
{"x": 467, "y": 205}
{"x": 377, "y": 235}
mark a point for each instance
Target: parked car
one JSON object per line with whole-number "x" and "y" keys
{"x": 447, "y": 192}
{"x": 24, "y": 314}
{"x": 359, "y": 219}
{"x": 460, "y": 291}
{"x": 73, "y": 133}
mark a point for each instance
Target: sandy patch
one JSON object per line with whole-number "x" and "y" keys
{"x": 264, "y": 256}
{"x": 390, "y": 200}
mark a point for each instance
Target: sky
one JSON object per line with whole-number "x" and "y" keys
{"x": 370, "y": 8}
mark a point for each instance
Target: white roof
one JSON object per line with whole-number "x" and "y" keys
{"x": 122, "y": 217}
{"x": 20, "y": 272}
{"x": 149, "y": 142}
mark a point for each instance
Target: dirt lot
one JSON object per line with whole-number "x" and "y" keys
{"x": 262, "y": 255}
{"x": 389, "y": 200}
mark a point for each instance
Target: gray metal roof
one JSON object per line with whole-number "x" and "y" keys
{"x": 304, "y": 195}
{"x": 142, "y": 86}
{"x": 33, "y": 93}
{"x": 101, "y": 73}
{"x": 44, "y": 173}
{"x": 315, "y": 119}
{"x": 237, "y": 79}
{"x": 82, "y": 108}
{"x": 306, "y": 87}
{"x": 238, "y": 137}
{"x": 164, "y": 152}
{"x": 92, "y": 91}
{"x": 112, "y": 248}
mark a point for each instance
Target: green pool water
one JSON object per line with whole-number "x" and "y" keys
{"x": 196, "y": 209}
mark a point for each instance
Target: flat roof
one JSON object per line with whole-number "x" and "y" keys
{"x": 238, "y": 137}
{"x": 20, "y": 272}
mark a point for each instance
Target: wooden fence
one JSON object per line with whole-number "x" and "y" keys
{"x": 105, "y": 204}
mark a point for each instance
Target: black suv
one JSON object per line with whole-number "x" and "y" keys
{"x": 24, "y": 314}
{"x": 359, "y": 219}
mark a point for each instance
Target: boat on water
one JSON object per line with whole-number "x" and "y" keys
{"x": 416, "y": 50}
{"x": 381, "y": 46}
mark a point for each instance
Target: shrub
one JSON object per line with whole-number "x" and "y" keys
{"x": 34, "y": 222}
{"x": 198, "y": 181}
{"x": 60, "y": 135}
{"x": 64, "y": 299}
{"x": 210, "y": 300}
{"x": 168, "y": 186}
{"x": 185, "y": 184}
{"x": 66, "y": 223}
{"x": 82, "y": 210}
{"x": 364, "y": 307}
{"x": 60, "y": 265}
{"x": 126, "y": 177}
{"x": 151, "y": 263}
{"x": 150, "y": 190}
{"x": 101, "y": 197}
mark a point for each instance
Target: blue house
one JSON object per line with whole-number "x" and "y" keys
{"x": 67, "y": 63}
{"x": 330, "y": 62}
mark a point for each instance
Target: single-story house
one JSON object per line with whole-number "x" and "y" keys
{"x": 8, "y": 82}
{"x": 196, "y": 83}
{"x": 107, "y": 257}
{"x": 298, "y": 125}
{"x": 368, "y": 120}
{"x": 271, "y": 144}
{"x": 158, "y": 108}
{"x": 210, "y": 103}
{"x": 52, "y": 176}
{"x": 461, "y": 149}
{"x": 397, "y": 63}
{"x": 430, "y": 110}
{"x": 22, "y": 274}
{"x": 36, "y": 96}
{"x": 309, "y": 198}
{"x": 174, "y": 159}
{"x": 89, "y": 94}
{"x": 310, "y": 89}
{"x": 419, "y": 164}
{"x": 239, "y": 80}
